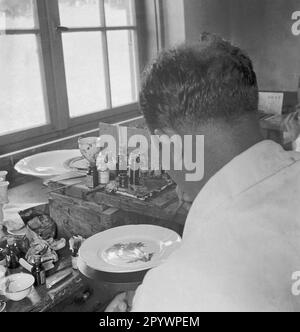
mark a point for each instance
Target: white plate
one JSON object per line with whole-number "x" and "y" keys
{"x": 147, "y": 247}
{"x": 77, "y": 164}
{"x": 48, "y": 164}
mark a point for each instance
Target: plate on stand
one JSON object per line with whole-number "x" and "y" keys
{"x": 47, "y": 164}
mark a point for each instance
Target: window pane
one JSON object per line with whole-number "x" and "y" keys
{"x": 21, "y": 92}
{"x": 17, "y": 14}
{"x": 79, "y": 13}
{"x": 122, "y": 67}
{"x": 84, "y": 72}
{"x": 119, "y": 12}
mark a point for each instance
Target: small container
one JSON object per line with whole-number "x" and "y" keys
{"x": 20, "y": 286}
{"x": 121, "y": 166}
{"x": 75, "y": 260}
{"x": 92, "y": 177}
{"x": 104, "y": 177}
{"x": 123, "y": 180}
{"x": 135, "y": 177}
{"x": 118, "y": 166}
{"x": 38, "y": 272}
{"x": 12, "y": 254}
{"x": 135, "y": 170}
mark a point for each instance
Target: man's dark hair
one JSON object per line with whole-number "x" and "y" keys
{"x": 189, "y": 85}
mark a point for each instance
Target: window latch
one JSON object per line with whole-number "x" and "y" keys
{"x": 62, "y": 29}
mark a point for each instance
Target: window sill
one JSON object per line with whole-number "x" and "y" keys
{"x": 29, "y": 138}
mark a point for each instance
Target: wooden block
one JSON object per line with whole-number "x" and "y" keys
{"x": 110, "y": 212}
{"x": 109, "y": 217}
{"x": 165, "y": 199}
{"x": 72, "y": 201}
{"x": 74, "y": 217}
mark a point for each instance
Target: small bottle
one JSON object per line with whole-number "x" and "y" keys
{"x": 75, "y": 260}
{"x": 123, "y": 181}
{"x": 92, "y": 177}
{"x": 38, "y": 272}
{"x": 118, "y": 166}
{"x": 135, "y": 170}
{"x": 12, "y": 254}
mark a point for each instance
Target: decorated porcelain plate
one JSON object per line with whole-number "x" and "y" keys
{"x": 48, "y": 164}
{"x": 129, "y": 249}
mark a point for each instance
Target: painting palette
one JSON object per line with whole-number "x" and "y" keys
{"x": 77, "y": 164}
{"x": 129, "y": 249}
{"x": 47, "y": 165}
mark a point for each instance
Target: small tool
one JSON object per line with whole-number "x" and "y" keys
{"x": 98, "y": 188}
{"x": 58, "y": 278}
{"x": 64, "y": 177}
{"x": 64, "y": 187}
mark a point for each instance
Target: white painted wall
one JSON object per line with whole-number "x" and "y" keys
{"x": 174, "y": 22}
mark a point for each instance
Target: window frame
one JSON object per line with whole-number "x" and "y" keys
{"x": 53, "y": 71}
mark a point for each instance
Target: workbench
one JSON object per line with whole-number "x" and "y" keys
{"x": 73, "y": 294}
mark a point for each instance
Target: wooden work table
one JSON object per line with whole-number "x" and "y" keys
{"x": 76, "y": 293}
{"x": 41, "y": 299}
{"x": 72, "y": 294}
{"x": 79, "y": 213}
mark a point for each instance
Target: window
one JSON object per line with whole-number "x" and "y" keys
{"x": 65, "y": 63}
{"x": 99, "y": 53}
{"x": 23, "y": 102}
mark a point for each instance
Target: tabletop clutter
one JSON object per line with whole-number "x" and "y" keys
{"x": 29, "y": 247}
{"x": 124, "y": 174}
{"x": 30, "y": 253}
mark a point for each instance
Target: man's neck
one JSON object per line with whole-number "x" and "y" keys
{"x": 227, "y": 142}
{"x": 224, "y": 143}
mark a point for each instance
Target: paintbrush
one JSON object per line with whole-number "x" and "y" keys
{"x": 64, "y": 187}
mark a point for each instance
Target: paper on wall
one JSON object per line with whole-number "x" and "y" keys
{"x": 271, "y": 102}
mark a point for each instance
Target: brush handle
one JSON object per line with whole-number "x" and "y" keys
{"x": 25, "y": 265}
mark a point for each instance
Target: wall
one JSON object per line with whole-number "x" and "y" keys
{"x": 206, "y": 16}
{"x": 173, "y": 22}
{"x": 261, "y": 27}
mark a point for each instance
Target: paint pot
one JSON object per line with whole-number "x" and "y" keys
{"x": 104, "y": 177}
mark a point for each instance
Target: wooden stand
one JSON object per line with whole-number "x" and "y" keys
{"x": 77, "y": 212}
